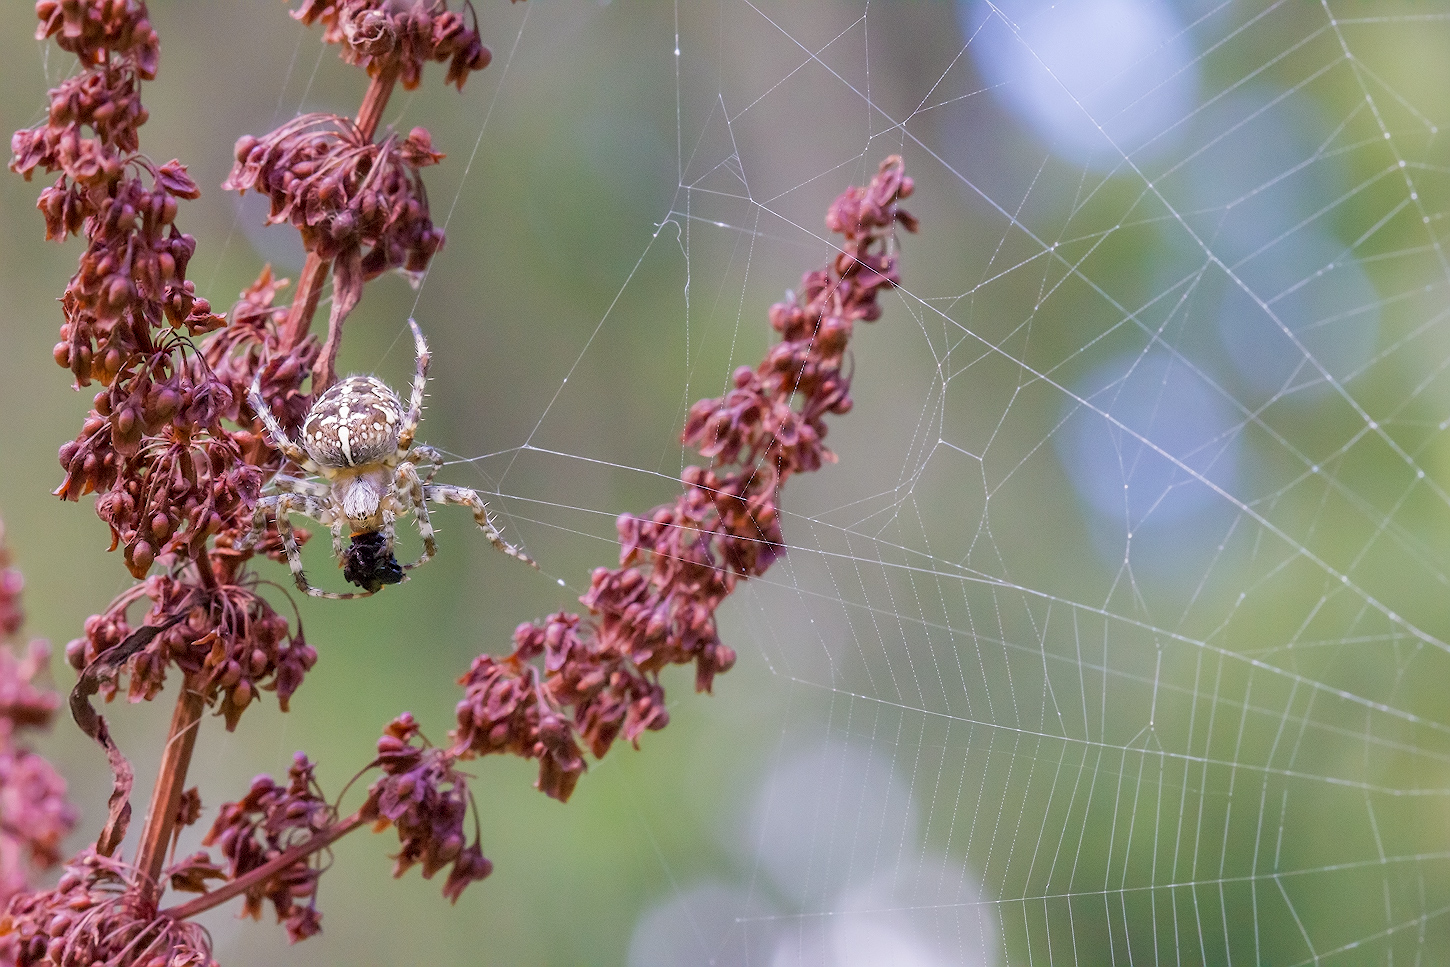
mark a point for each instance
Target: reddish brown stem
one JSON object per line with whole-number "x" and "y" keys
{"x": 375, "y": 101}
{"x": 325, "y": 369}
{"x": 314, "y": 272}
{"x": 304, "y": 306}
{"x": 268, "y": 869}
{"x": 204, "y": 569}
{"x": 171, "y": 778}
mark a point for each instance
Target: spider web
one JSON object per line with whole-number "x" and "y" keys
{"x": 1118, "y": 633}
{"x": 1140, "y": 599}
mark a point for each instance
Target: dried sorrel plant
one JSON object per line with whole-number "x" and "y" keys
{"x": 178, "y": 459}
{"x": 34, "y": 812}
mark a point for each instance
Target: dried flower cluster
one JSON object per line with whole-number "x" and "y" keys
{"x": 168, "y": 474}
{"x": 398, "y": 39}
{"x": 229, "y": 638}
{"x": 600, "y": 677}
{"x": 268, "y": 821}
{"x": 425, "y": 798}
{"x": 35, "y": 814}
{"x": 126, "y": 306}
{"x": 100, "y": 914}
{"x": 270, "y": 838}
{"x": 178, "y": 462}
{"x": 345, "y": 194}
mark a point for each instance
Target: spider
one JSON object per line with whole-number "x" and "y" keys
{"x": 359, "y": 440}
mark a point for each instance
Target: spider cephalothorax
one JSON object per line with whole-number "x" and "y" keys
{"x": 359, "y": 439}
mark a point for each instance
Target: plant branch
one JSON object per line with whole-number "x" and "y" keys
{"x": 204, "y": 569}
{"x": 171, "y": 778}
{"x": 375, "y": 101}
{"x": 268, "y": 869}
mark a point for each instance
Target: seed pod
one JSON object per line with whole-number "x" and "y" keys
{"x": 141, "y": 558}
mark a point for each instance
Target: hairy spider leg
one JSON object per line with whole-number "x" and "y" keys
{"x": 444, "y": 494}
{"x": 296, "y": 485}
{"x": 308, "y": 498}
{"x": 316, "y": 508}
{"x": 410, "y": 494}
{"x": 423, "y": 453}
{"x": 275, "y": 433}
{"x": 420, "y": 383}
{"x": 390, "y": 522}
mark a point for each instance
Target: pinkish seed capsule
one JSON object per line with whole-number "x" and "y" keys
{"x": 142, "y": 555}
{"x": 166, "y": 403}
{"x": 126, "y": 422}
{"x": 118, "y": 291}
{"x": 230, "y": 675}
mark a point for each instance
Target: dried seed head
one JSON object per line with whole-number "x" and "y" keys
{"x": 425, "y": 799}
{"x": 269, "y": 819}
{"x": 381, "y": 35}
{"x": 356, "y": 202}
{"x": 680, "y": 561}
{"x": 100, "y": 913}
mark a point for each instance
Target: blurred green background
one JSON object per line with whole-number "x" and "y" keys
{"x": 1204, "y": 724}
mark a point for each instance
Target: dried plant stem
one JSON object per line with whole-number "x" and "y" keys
{"x": 273, "y": 866}
{"x": 375, "y": 101}
{"x": 325, "y": 369}
{"x": 304, "y": 306}
{"x": 204, "y": 569}
{"x": 171, "y": 779}
{"x": 314, "y": 271}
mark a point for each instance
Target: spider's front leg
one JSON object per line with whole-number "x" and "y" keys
{"x": 443, "y": 494}
{"x": 266, "y": 507}
{"x": 275, "y": 434}
{"x": 322, "y": 493}
{"x": 409, "y": 426}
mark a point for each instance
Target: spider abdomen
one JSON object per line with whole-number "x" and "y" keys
{"x": 354, "y": 423}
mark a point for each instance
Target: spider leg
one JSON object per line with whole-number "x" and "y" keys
{"x": 423, "y": 453}
{"x": 296, "y": 485}
{"x": 389, "y": 528}
{"x": 281, "y": 506}
{"x": 410, "y": 493}
{"x": 409, "y": 428}
{"x": 275, "y": 434}
{"x": 319, "y": 506}
{"x": 442, "y": 494}
{"x": 265, "y": 506}
{"x": 293, "y": 485}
